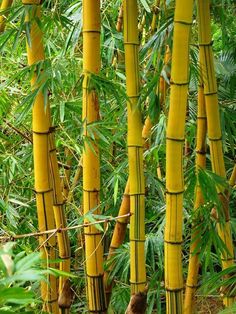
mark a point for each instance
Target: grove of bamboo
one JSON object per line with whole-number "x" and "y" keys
{"x": 125, "y": 126}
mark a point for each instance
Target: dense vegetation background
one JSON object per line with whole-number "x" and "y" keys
{"x": 61, "y": 24}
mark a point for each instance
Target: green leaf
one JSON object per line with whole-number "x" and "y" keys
{"x": 16, "y": 295}
{"x": 146, "y": 6}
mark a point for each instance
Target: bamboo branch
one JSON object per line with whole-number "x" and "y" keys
{"x": 18, "y": 131}
{"x": 58, "y": 230}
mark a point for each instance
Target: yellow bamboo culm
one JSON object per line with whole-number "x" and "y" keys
{"x": 156, "y": 11}
{"x": 117, "y": 237}
{"x": 135, "y": 149}
{"x": 214, "y": 127}
{"x": 65, "y": 297}
{"x": 193, "y": 268}
{"x": 121, "y": 224}
{"x": 232, "y": 179}
{"x": 163, "y": 85}
{"x": 66, "y": 181}
{"x": 91, "y": 165}
{"x": 174, "y": 156}
{"x": 43, "y": 187}
{"x": 5, "y": 5}
{"x": 119, "y": 23}
{"x": 75, "y": 180}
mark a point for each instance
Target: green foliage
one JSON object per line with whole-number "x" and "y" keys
{"x": 17, "y": 274}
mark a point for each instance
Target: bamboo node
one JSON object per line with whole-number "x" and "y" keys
{"x": 137, "y": 282}
{"x": 42, "y": 191}
{"x": 215, "y": 139}
{"x": 91, "y": 31}
{"x": 174, "y": 242}
{"x": 192, "y": 286}
{"x": 183, "y": 22}
{"x": 208, "y": 44}
{"x": 175, "y": 139}
{"x": 41, "y": 133}
{"x": 179, "y": 83}
{"x": 174, "y": 192}
{"x": 137, "y": 240}
{"x": 210, "y": 93}
{"x": 174, "y": 289}
{"x": 201, "y": 152}
{"x": 92, "y": 233}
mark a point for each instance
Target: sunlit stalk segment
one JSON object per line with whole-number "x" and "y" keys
{"x": 118, "y": 235}
{"x": 91, "y": 163}
{"x": 60, "y": 220}
{"x": 232, "y": 180}
{"x": 5, "y": 5}
{"x": 41, "y": 130}
{"x": 119, "y": 23}
{"x": 174, "y": 156}
{"x": 193, "y": 268}
{"x": 135, "y": 149}
{"x": 214, "y": 127}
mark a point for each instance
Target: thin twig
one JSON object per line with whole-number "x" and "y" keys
{"x": 52, "y": 231}
{"x": 46, "y": 240}
{"x": 18, "y": 131}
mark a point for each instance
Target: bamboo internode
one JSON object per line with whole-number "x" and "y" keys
{"x": 43, "y": 186}
{"x": 91, "y": 163}
{"x": 6, "y": 4}
{"x": 174, "y": 156}
{"x": 214, "y": 127}
{"x": 135, "y": 149}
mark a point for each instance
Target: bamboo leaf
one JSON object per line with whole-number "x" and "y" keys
{"x": 145, "y": 5}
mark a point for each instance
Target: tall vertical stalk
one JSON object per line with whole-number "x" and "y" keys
{"x": 174, "y": 156}
{"x": 117, "y": 237}
{"x": 91, "y": 163}
{"x": 6, "y": 4}
{"x": 156, "y": 11}
{"x": 232, "y": 180}
{"x": 193, "y": 267}
{"x": 62, "y": 237}
{"x": 135, "y": 149}
{"x": 41, "y": 131}
{"x": 121, "y": 224}
{"x": 119, "y": 23}
{"x": 214, "y": 127}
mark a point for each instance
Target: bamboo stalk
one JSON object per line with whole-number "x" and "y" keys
{"x": 163, "y": 85}
{"x": 232, "y": 179}
{"x": 135, "y": 150}
{"x": 214, "y": 128}
{"x": 156, "y": 12}
{"x": 5, "y": 5}
{"x": 174, "y": 156}
{"x": 121, "y": 225}
{"x": 117, "y": 237}
{"x": 193, "y": 268}
{"x": 119, "y": 24}
{"x": 66, "y": 181}
{"x": 43, "y": 187}
{"x": 75, "y": 180}
{"x": 91, "y": 163}
{"x": 64, "y": 299}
